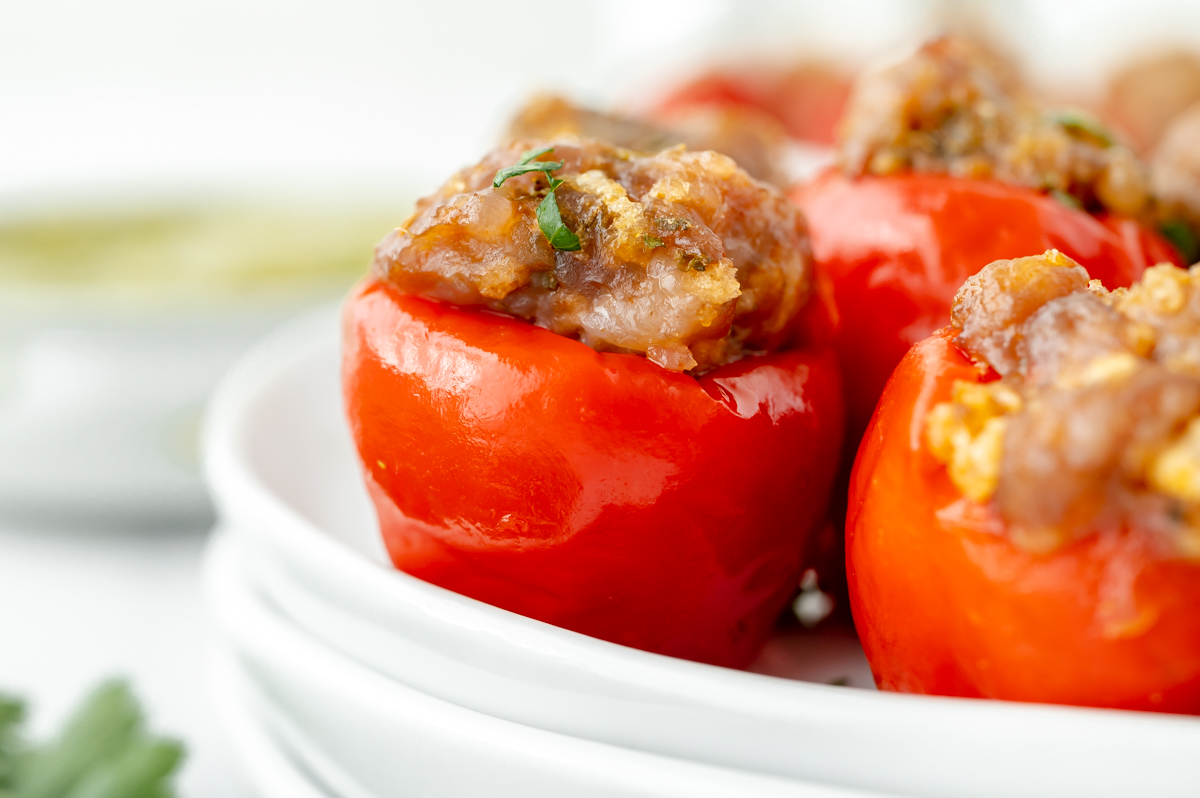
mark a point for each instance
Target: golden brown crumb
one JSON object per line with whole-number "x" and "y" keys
{"x": 967, "y": 434}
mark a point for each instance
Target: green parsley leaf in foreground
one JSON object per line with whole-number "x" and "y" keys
{"x": 140, "y": 770}
{"x": 99, "y": 730}
{"x": 12, "y": 714}
{"x": 104, "y": 751}
{"x": 527, "y": 164}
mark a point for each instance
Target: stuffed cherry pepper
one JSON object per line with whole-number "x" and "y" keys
{"x": 945, "y": 163}
{"x": 575, "y": 381}
{"x": 1025, "y": 508}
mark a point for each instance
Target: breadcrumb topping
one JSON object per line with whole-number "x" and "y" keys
{"x": 967, "y": 434}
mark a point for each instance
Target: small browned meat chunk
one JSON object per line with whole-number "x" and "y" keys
{"x": 753, "y": 139}
{"x": 992, "y": 307}
{"x": 1096, "y": 420}
{"x": 1146, "y": 96}
{"x": 550, "y": 117}
{"x": 682, "y": 256}
{"x": 953, "y": 108}
{"x": 1176, "y": 169}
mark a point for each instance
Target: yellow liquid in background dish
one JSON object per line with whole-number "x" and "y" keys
{"x": 190, "y": 254}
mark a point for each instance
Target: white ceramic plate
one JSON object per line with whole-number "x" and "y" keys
{"x": 366, "y": 735}
{"x": 271, "y": 772}
{"x": 286, "y": 480}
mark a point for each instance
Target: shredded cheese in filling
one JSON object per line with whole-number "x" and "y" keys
{"x": 1095, "y": 419}
{"x": 967, "y": 434}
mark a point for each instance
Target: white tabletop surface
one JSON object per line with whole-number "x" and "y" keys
{"x": 79, "y": 604}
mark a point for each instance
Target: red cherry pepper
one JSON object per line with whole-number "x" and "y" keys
{"x": 594, "y": 491}
{"x": 807, "y": 100}
{"x": 945, "y": 603}
{"x": 896, "y": 249}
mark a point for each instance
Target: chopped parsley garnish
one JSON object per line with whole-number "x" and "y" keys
{"x": 1183, "y": 238}
{"x": 1066, "y": 199}
{"x": 527, "y": 164}
{"x": 550, "y": 220}
{"x": 1082, "y": 124}
{"x": 652, "y": 242}
{"x": 104, "y": 751}
{"x": 548, "y": 215}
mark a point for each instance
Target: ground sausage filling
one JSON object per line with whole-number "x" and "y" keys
{"x": 680, "y": 256}
{"x": 1094, "y": 421}
{"x": 957, "y": 109}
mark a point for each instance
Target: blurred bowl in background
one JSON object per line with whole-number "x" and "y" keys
{"x": 121, "y": 308}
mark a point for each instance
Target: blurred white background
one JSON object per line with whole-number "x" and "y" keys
{"x": 359, "y": 92}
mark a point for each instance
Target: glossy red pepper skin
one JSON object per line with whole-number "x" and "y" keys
{"x": 597, "y": 492}
{"x": 896, "y": 249}
{"x": 946, "y": 604}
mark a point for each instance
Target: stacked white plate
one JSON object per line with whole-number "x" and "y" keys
{"x": 340, "y": 676}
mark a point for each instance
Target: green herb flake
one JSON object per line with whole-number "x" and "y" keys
{"x": 691, "y": 261}
{"x": 528, "y": 164}
{"x": 1066, "y": 199}
{"x": 1082, "y": 124}
{"x": 552, "y": 226}
{"x": 548, "y": 215}
{"x": 1182, "y": 237}
{"x": 651, "y": 242}
{"x": 673, "y": 223}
